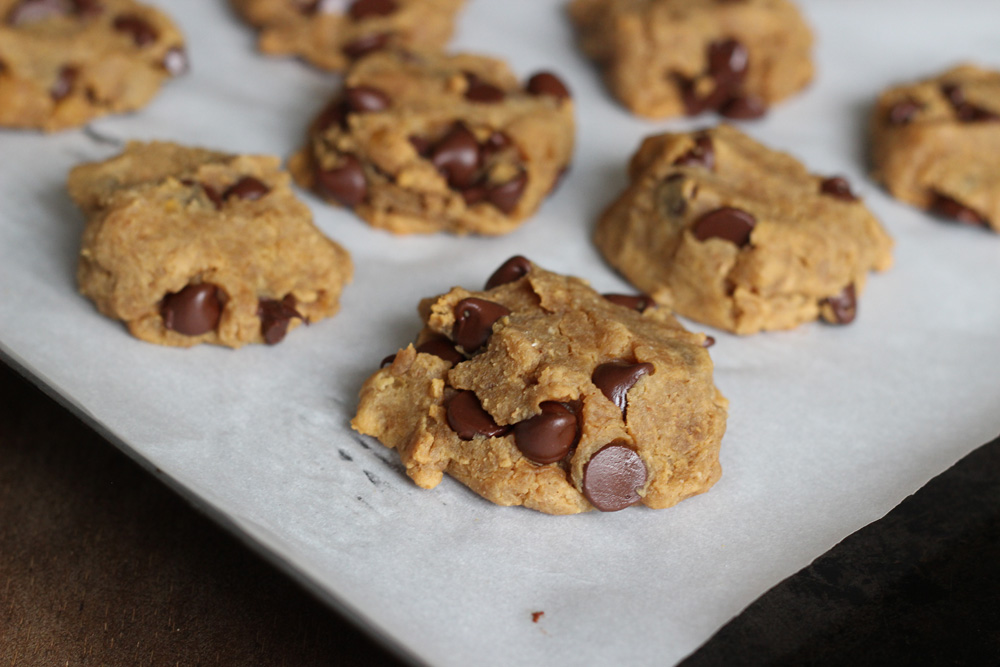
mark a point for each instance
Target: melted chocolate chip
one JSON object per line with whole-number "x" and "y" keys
{"x": 843, "y": 306}
{"x": 143, "y": 34}
{"x": 903, "y": 112}
{"x": 483, "y": 92}
{"x": 441, "y": 347}
{"x": 248, "y": 188}
{"x": 175, "y": 61}
{"x": 708, "y": 342}
{"x": 639, "y": 302}
{"x": 727, "y": 62}
{"x": 547, "y": 437}
{"x": 275, "y": 317}
{"x": 366, "y": 44}
{"x": 29, "y": 11}
{"x": 474, "y": 320}
{"x": 387, "y": 361}
{"x": 87, "y": 7}
{"x": 346, "y": 184}
{"x": 743, "y": 107}
{"x": 966, "y": 111}
{"x": 363, "y": 9}
{"x": 507, "y": 195}
{"x": 64, "y": 83}
{"x": 612, "y": 478}
{"x": 547, "y": 83}
{"x": 467, "y": 418}
{"x": 615, "y": 378}
{"x": 331, "y": 115}
{"x": 495, "y": 143}
{"x": 693, "y": 105}
{"x": 212, "y": 194}
{"x": 366, "y": 99}
{"x": 702, "y": 154}
{"x": 193, "y": 311}
{"x": 474, "y": 195}
{"x": 954, "y": 93}
{"x": 950, "y": 208}
{"x": 421, "y": 144}
{"x": 837, "y": 187}
{"x": 457, "y": 156}
{"x": 513, "y": 269}
{"x": 727, "y": 223}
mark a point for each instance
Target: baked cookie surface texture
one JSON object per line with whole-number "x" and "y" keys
{"x": 538, "y": 391}
{"x": 936, "y": 144}
{"x": 735, "y": 235}
{"x": 191, "y": 246}
{"x": 333, "y": 33}
{"x": 665, "y": 58}
{"x": 65, "y": 62}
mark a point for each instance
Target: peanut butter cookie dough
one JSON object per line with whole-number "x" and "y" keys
{"x": 191, "y": 246}
{"x": 65, "y": 62}
{"x": 666, "y": 58}
{"x": 738, "y": 236}
{"x": 333, "y": 33}
{"x": 936, "y": 144}
{"x": 420, "y": 144}
{"x": 538, "y": 391}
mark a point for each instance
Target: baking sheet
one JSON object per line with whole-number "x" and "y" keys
{"x": 829, "y": 427}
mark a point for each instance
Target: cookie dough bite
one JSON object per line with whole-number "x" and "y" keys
{"x": 538, "y": 391}
{"x": 66, "y": 62}
{"x": 936, "y": 144}
{"x": 664, "y": 58}
{"x": 189, "y": 246}
{"x": 334, "y": 33}
{"x": 738, "y": 236}
{"x": 430, "y": 143}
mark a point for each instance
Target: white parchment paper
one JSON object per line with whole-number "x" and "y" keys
{"x": 829, "y": 428}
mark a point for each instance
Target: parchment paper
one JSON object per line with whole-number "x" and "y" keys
{"x": 829, "y": 428}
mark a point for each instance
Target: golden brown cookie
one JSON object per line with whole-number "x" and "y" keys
{"x": 672, "y": 57}
{"x": 189, "y": 246}
{"x": 333, "y": 33}
{"x": 538, "y": 391}
{"x": 738, "y": 236}
{"x": 419, "y": 144}
{"x": 936, "y": 144}
{"x": 65, "y": 62}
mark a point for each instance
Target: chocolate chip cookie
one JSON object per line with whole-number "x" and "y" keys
{"x": 741, "y": 237}
{"x": 419, "y": 144}
{"x": 193, "y": 246}
{"x": 333, "y": 33}
{"x": 936, "y": 144}
{"x": 65, "y": 62}
{"x": 538, "y": 391}
{"x": 672, "y": 57}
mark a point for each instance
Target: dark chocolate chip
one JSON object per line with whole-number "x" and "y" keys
{"x": 421, "y": 144}
{"x": 547, "y": 437}
{"x": 474, "y": 194}
{"x": 743, "y": 107}
{"x": 495, "y": 143}
{"x": 29, "y": 11}
{"x": 708, "y": 342}
{"x": 474, "y": 320}
{"x": 513, "y": 269}
{"x": 143, "y": 34}
{"x": 363, "y": 9}
{"x": 387, "y": 361}
{"x": 547, "y": 83}
{"x": 443, "y": 348}
{"x": 954, "y": 93}
{"x": 366, "y": 44}
{"x": 275, "y": 316}
{"x": 903, "y": 112}
{"x": 950, "y": 208}
{"x": 639, "y": 302}
{"x": 212, "y": 194}
{"x": 193, "y": 311}
{"x": 727, "y": 62}
{"x": 615, "y": 378}
{"x": 837, "y": 187}
{"x": 612, "y": 478}
{"x": 366, "y": 99}
{"x": 346, "y": 184}
{"x": 693, "y": 105}
{"x": 64, "y": 83}
{"x": 970, "y": 113}
{"x": 843, "y": 306}
{"x": 175, "y": 61}
{"x": 484, "y": 93}
{"x": 702, "y": 154}
{"x": 457, "y": 156}
{"x": 507, "y": 195}
{"x": 332, "y": 114}
{"x": 726, "y": 223}
{"x": 87, "y": 7}
{"x": 247, "y": 187}
{"x": 467, "y": 418}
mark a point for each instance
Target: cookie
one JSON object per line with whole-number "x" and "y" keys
{"x": 65, "y": 62}
{"x": 936, "y": 144}
{"x": 665, "y": 58}
{"x": 419, "y": 144}
{"x": 333, "y": 33}
{"x": 738, "y": 236}
{"x": 191, "y": 246}
{"x": 538, "y": 391}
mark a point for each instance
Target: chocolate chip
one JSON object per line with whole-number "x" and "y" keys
{"x": 29, "y": 11}
{"x": 275, "y": 316}
{"x": 903, "y": 112}
{"x": 64, "y": 83}
{"x": 726, "y": 223}
{"x": 507, "y": 195}
{"x": 175, "y": 61}
{"x": 708, "y": 342}
{"x": 639, "y": 302}
{"x": 474, "y": 195}
{"x": 193, "y": 311}
{"x": 495, "y": 143}
{"x": 954, "y": 93}
{"x": 467, "y": 418}
{"x": 837, "y": 187}
{"x": 441, "y": 347}
{"x": 346, "y": 184}
{"x": 421, "y": 144}
{"x": 386, "y": 361}
{"x": 744, "y": 107}
{"x": 513, "y": 269}
{"x": 547, "y": 437}
{"x": 693, "y": 105}
{"x": 248, "y": 188}
{"x": 950, "y": 208}
{"x": 366, "y": 44}
{"x": 87, "y": 7}
{"x": 212, "y": 194}
{"x": 363, "y": 9}
{"x": 366, "y": 99}
{"x": 547, "y": 83}
{"x": 702, "y": 154}
{"x": 612, "y": 478}
{"x": 843, "y": 306}
{"x": 139, "y": 28}
{"x": 615, "y": 378}
{"x": 727, "y": 62}
{"x": 484, "y": 93}
{"x": 474, "y": 320}
{"x": 457, "y": 156}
